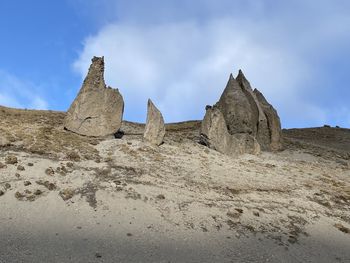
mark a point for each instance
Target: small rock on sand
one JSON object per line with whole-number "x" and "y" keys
{"x": 50, "y": 171}
{"x": 67, "y": 194}
{"x": 26, "y": 183}
{"x": 11, "y": 159}
{"x": 20, "y": 168}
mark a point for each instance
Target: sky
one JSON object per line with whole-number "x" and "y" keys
{"x": 180, "y": 53}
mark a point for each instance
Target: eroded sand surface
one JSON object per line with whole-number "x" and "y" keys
{"x": 122, "y": 200}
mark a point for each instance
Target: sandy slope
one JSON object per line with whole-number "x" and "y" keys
{"x": 121, "y": 200}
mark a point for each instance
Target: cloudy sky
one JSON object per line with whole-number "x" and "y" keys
{"x": 180, "y": 53}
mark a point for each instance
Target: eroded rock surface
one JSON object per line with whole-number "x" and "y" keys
{"x": 248, "y": 117}
{"x": 155, "y": 128}
{"x": 237, "y": 109}
{"x": 215, "y": 135}
{"x": 274, "y": 122}
{"x": 98, "y": 109}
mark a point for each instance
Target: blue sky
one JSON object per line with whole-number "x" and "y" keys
{"x": 180, "y": 54}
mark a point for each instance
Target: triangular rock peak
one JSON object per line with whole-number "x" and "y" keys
{"x": 98, "y": 109}
{"x": 155, "y": 127}
{"x": 246, "y": 112}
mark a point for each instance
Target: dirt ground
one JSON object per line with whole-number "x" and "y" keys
{"x": 70, "y": 198}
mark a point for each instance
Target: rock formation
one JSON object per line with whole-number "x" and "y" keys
{"x": 274, "y": 123}
{"x": 246, "y": 116}
{"x": 98, "y": 109}
{"x": 261, "y": 131}
{"x": 215, "y": 135}
{"x": 155, "y": 128}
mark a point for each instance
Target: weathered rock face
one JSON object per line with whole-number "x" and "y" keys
{"x": 260, "y": 123}
{"x": 274, "y": 122}
{"x": 245, "y": 115}
{"x": 155, "y": 127}
{"x": 97, "y": 110}
{"x": 237, "y": 109}
{"x": 215, "y": 135}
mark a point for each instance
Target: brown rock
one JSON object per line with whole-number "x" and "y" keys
{"x": 20, "y": 168}
{"x": 273, "y": 120}
{"x": 155, "y": 128}
{"x": 26, "y": 183}
{"x": 97, "y": 110}
{"x": 50, "y": 171}
{"x": 11, "y": 159}
{"x": 215, "y": 135}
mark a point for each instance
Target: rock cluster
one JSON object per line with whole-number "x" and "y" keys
{"x": 155, "y": 128}
{"x": 242, "y": 119}
{"x": 98, "y": 109}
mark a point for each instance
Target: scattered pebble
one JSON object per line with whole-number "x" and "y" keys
{"x": 1, "y": 193}
{"x": 38, "y": 192}
{"x": 98, "y": 255}
{"x": 239, "y": 210}
{"x": 11, "y": 159}
{"x": 31, "y": 198}
{"x": 17, "y": 175}
{"x": 256, "y": 213}
{"x": 342, "y": 228}
{"x": 47, "y": 184}
{"x": 70, "y": 164}
{"x": 67, "y": 194}
{"x": 50, "y": 171}
{"x": 7, "y": 186}
{"x": 161, "y": 197}
{"x": 129, "y": 234}
{"x": 30, "y": 164}
{"x": 20, "y": 168}
{"x": 26, "y": 183}
{"x": 19, "y": 195}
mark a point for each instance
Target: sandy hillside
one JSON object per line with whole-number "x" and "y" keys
{"x": 69, "y": 198}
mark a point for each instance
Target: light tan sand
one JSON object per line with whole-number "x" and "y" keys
{"x": 180, "y": 202}
{"x": 177, "y": 203}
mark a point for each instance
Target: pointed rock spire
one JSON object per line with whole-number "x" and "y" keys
{"x": 97, "y": 110}
{"x": 259, "y": 125}
{"x": 241, "y": 118}
{"x": 236, "y": 108}
{"x": 155, "y": 127}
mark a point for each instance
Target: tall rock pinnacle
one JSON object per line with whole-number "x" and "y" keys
{"x": 237, "y": 109}
{"x": 155, "y": 128}
{"x": 98, "y": 109}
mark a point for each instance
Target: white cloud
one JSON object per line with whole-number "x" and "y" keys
{"x": 184, "y": 65}
{"x": 20, "y": 94}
